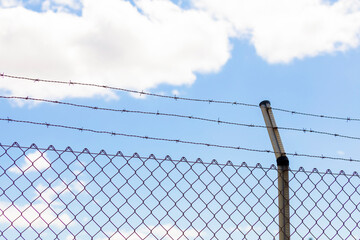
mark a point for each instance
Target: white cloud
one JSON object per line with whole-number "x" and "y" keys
{"x": 9, "y": 3}
{"x": 36, "y": 161}
{"x": 157, "y": 42}
{"x": 169, "y": 231}
{"x": 70, "y": 237}
{"x": 249, "y": 228}
{"x": 33, "y": 2}
{"x": 61, "y": 5}
{"x": 49, "y": 194}
{"x": 166, "y": 232}
{"x": 43, "y": 212}
{"x": 246, "y": 229}
{"x": 36, "y": 215}
{"x": 113, "y": 43}
{"x": 175, "y": 92}
{"x": 77, "y": 186}
{"x": 340, "y": 153}
{"x": 74, "y": 4}
{"x": 282, "y": 30}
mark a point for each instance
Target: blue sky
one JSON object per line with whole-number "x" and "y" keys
{"x": 208, "y": 53}
{"x": 300, "y": 55}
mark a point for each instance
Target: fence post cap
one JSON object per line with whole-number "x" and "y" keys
{"x": 265, "y": 102}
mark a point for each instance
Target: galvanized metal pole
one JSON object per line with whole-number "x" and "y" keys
{"x": 283, "y": 170}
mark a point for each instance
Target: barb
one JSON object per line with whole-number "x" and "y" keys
{"x": 218, "y": 121}
{"x": 178, "y": 98}
{"x": 173, "y": 140}
{"x": 129, "y": 90}
{"x": 317, "y": 115}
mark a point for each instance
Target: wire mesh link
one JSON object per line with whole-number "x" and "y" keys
{"x": 66, "y": 194}
{"x": 324, "y": 205}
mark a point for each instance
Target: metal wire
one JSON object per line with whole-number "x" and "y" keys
{"x": 166, "y": 158}
{"x": 47, "y": 193}
{"x": 180, "y": 98}
{"x": 128, "y": 90}
{"x": 174, "y": 140}
{"x": 218, "y": 121}
{"x": 317, "y": 115}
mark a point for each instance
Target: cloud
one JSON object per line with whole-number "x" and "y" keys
{"x": 249, "y": 228}
{"x": 175, "y": 92}
{"x": 49, "y": 194}
{"x": 340, "y": 153}
{"x": 9, "y": 3}
{"x": 45, "y": 207}
{"x": 39, "y": 214}
{"x": 36, "y": 215}
{"x": 70, "y": 237}
{"x": 61, "y": 5}
{"x": 112, "y": 43}
{"x": 153, "y": 42}
{"x": 166, "y": 232}
{"x": 284, "y": 30}
{"x": 36, "y": 161}
{"x": 245, "y": 229}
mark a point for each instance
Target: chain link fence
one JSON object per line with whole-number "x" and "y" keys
{"x": 66, "y": 194}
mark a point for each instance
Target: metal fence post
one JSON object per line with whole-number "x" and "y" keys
{"x": 283, "y": 170}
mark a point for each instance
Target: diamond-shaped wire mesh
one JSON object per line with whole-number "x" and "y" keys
{"x": 53, "y": 194}
{"x": 324, "y": 205}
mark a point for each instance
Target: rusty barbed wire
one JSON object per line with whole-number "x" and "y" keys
{"x": 218, "y": 121}
{"x": 174, "y": 140}
{"x": 179, "y": 98}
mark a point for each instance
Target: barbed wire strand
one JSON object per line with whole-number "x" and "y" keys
{"x": 174, "y": 140}
{"x": 127, "y": 90}
{"x": 218, "y": 121}
{"x": 316, "y": 115}
{"x": 60, "y": 151}
{"x": 178, "y": 98}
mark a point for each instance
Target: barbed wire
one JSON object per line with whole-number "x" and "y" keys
{"x": 179, "y": 98}
{"x": 127, "y": 90}
{"x": 316, "y": 115}
{"x": 174, "y": 140}
{"x": 60, "y": 151}
{"x": 218, "y": 121}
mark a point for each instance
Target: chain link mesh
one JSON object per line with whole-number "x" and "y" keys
{"x": 65, "y": 194}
